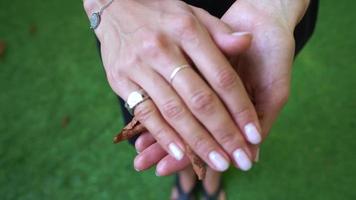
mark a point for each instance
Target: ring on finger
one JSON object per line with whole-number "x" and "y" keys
{"x": 134, "y": 99}
{"x": 176, "y": 70}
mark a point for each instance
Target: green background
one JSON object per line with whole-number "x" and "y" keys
{"x": 58, "y": 115}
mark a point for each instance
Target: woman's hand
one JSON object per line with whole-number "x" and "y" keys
{"x": 265, "y": 68}
{"x": 142, "y": 42}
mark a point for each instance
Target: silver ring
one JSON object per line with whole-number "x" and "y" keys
{"x": 176, "y": 70}
{"x": 134, "y": 99}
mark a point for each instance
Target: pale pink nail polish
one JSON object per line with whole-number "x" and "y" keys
{"x": 242, "y": 160}
{"x": 240, "y": 33}
{"x": 219, "y": 161}
{"x": 252, "y": 134}
{"x": 175, "y": 151}
{"x": 159, "y": 168}
{"x": 136, "y": 169}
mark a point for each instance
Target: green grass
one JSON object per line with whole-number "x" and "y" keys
{"x": 56, "y": 74}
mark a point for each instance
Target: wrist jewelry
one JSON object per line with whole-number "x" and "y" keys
{"x": 96, "y": 16}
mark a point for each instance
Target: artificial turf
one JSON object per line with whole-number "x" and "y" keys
{"x": 58, "y": 115}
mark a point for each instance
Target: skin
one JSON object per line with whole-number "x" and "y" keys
{"x": 265, "y": 68}
{"x": 208, "y": 99}
{"x": 141, "y": 54}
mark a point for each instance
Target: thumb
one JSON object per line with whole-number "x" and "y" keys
{"x": 230, "y": 42}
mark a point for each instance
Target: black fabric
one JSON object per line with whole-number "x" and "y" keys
{"x": 306, "y": 26}
{"x": 214, "y": 7}
{"x": 181, "y": 194}
{"x": 217, "y": 8}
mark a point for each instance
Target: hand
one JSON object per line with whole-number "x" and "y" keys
{"x": 210, "y": 112}
{"x": 265, "y": 70}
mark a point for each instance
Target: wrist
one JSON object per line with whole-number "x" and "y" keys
{"x": 288, "y": 11}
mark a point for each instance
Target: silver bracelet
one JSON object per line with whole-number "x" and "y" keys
{"x": 95, "y": 18}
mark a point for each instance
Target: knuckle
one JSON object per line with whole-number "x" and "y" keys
{"x": 116, "y": 80}
{"x": 202, "y": 11}
{"x": 202, "y": 101}
{"x": 144, "y": 111}
{"x": 172, "y": 109}
{"x": 229, "y": 140}
{"x": 243, "y": 114}
{"x": 226, "y": 79}
{"x": 186, "y": 27}
{"x": 120, "y": 70}
{"x": 200, "y": 144}
{"x": 153, "y": 44}
{"x": 129, "y": 62}
{"x": 160, "y": 134}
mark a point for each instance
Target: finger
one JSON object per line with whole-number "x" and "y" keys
{"x": 143, "y": 141}
{"x": 147, "y": 113}
{"x": 181, "y": 119}
{"x": 269, "y": 103}
{"x": 169, "y": 165}
{"x": 204, "y": 105}
{"x": 149, "y": 157}
{"x": 232, "y": 43}
{"x": 216, "y": 69}
{"x": 155, "y": 155}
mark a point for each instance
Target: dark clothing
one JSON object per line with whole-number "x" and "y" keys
{"x": 217, "y": 8}
{"x": 306, "y": 26}
{"x": 214, "y": 7}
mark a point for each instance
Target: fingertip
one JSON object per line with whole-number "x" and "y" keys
{"x": 138, "y": 163}
{"x": 138, "y": 145}
{"x": 143, "y": 142}
{"x": 160, "y": 167}
{"x": 242, "y": 34}
{"x": 253, "y": 135}
{"x": 235, "y": 43}
{"x": 169, "y": 165}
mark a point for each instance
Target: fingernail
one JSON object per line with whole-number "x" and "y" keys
{"x": 157, "y": 174}
{"x": 136, "y": 169}
{"x": 219, "y": 161}
{"x": 175, "y": 151}
{"x": 252, "y": 134}
{"x": 257, "y": 158}
{"x": 240, "y": 33}
{"x": 242, "y": 159}
{"x": 137, "y": 163}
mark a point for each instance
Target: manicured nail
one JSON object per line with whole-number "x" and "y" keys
{"x": 257, "y": 158}
{"x": 252, "y": 134}
{"x": 240, "y": 33}
{"x": 242, "y": 159}
{"x": 175, "y": 151}
{"x": 136, "y": 169}
{"x": 161, "y": 166}
{"x": 219, "y": 161}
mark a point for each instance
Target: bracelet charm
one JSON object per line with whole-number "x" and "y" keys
{"x": 95, "y": 18}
